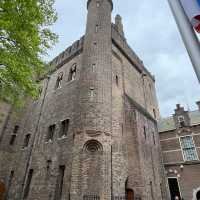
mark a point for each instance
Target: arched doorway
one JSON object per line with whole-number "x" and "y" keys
{"x": 198, "y": 195}
{"x": 129, "y": 192}
{"x": 2, "y": 190}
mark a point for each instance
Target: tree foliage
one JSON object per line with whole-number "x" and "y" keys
{"x": 25, "y": 37}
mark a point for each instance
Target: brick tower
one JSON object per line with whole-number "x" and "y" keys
{"x": 92, "y": 134}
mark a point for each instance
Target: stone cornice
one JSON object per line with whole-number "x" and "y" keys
{"x": 108, "y": 0}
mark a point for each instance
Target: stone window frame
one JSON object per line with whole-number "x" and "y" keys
{"x": 26, "y": 141}
{"x": 72, "y": 72}
{"x": 175, "y": 177}
{"x": 59, "y": 80}
{"x": 61, "y": 131}
{"x": 117, "y": 80}
{"x": 98, "y": 3}
{"x": 50, "y": 133}
{"x": 181, "y": 119}
{"x": 92, "y": 93}
{"x": 14, "y": 135}
{"x": 93, "y": 146}
{"x": 194, "y": 148}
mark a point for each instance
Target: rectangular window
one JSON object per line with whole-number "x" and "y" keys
{"x": 51, "y": 131}
{"x": 10, "y": 180}
{"x": 181, "y": 121}
{"x": 188, "y": 148}
{"x": 96, "y": 28}
{"x": 91, "y": 94}
{"x": 59, "y": 185}
{"x": 28, "y": 183}
{"x": 12, "y": 139}
{"x": 26, "y": 140}
{"x": 154, "y": 139}
{"x": 59, "y": 81}
{"x": 144, "y": 132}
{"x": 64, "y": 128}
{"x": 16, "y": 128}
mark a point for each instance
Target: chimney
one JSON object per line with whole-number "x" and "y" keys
{"x": 178, "y": 106}
{"x": 198, "y": 104}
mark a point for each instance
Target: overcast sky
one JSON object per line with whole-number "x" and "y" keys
{"x": 152, "y": 33}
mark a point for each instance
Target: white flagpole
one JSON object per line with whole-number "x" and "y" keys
{"x": 189, "y": 37}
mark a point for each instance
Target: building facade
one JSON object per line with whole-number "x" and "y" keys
{"x": 180, "y": 142}
{"x": 93, "y": 133}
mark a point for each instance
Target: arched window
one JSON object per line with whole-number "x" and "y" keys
{"x": 59, "y": 80}
{"x": 198, "y": 195}
{"x": 93, "y": 146}
{"x": 117, "y": 80}
{"x": 72, "y": 73}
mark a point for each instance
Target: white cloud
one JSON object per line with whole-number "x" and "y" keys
{"x": 152, "y": 33}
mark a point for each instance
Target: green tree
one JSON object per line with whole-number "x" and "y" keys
{"x": 25, "y": 37}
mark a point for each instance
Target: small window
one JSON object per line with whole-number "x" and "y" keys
{"x": 28, "y": 184}
{"x": 72, "y": 73}
{"x": 154, "y": 113}
{"x": 59, "y": 184}
{"x": 59, "y": 80}
{"x": 151, "y": 185}
{"x": 154, "y": 139}
{"x": 117, "y": 80}
{"x": 16, "y": 128}
{"x": 64, "y": 128}
{"x": 145, "y": 133}
{"x": 93, "y": 67}
{"x": 26, "y": 140}
{"x": 49, "y": 163}
{"x": 181, "y": 121}
{"x": 98, "y": 4}
{"x": 91, "y": 94}
{"x": 12, "y": 139}
{"x": 51, "y": 131}
{"x": 97, "y": 28}
{"x": 188, "y": 148}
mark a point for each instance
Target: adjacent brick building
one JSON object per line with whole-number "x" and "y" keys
{"x": 180, "y": 141}
{"x": 92, "y": 134}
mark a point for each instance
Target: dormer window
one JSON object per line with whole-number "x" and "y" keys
{"x": 181, "y": 121}
{"x": 72, "y": 73}
{"x": 59, "y": 80}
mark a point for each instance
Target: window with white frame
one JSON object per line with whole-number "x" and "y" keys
{"x": 188, "y": 148}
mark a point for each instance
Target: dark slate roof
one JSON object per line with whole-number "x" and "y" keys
{"x": 167, "y": 124}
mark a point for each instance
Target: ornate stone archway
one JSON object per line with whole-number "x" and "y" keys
{"x": 195, "y": 193}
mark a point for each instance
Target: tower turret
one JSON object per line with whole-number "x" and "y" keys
{"x": 96, "y": 72}
{"x": 94, "y": 111}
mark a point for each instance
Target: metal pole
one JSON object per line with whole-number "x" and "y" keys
{"x": 187, "y": 33}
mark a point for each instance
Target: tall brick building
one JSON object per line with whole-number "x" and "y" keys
{"x": 180, "y": 141}
{"x": 92, "y": 134}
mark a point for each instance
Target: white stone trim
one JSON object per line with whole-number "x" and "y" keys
{"x": 169, "y": 151}
{"x": 195, "y": 193}
{"x": 173, "y": 138}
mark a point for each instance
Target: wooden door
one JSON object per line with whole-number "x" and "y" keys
{"x": 2, "y": 190}
{"x": 130, "y": 194}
